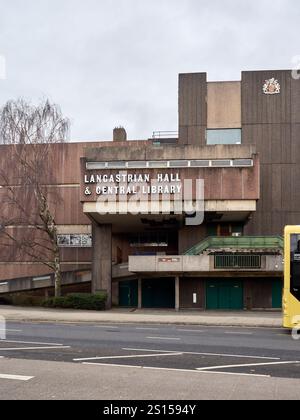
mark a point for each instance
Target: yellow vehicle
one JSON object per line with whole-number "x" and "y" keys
{"x": 291, "y": 295}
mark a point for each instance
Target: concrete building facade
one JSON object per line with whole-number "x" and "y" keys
{"x": 192, "y": 221}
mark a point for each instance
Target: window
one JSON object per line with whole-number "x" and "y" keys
{"x": 91, "y": 166}
{"x": 164, "y": 164}
{"x": 221, "y": 163}
{"x": 116, "y": 165}
{"x": 137, "y": 165}
{"x": 158, "y": 164}
{"x": 179, "y": 163}
{"x": 75, "y": 241}
{"x": 200, "y": 163}
{"x": 243, "y": 162}
{"x": 149, "y": 240}
{"x": 225, "y": 229}
{"x": 226, "y": 136}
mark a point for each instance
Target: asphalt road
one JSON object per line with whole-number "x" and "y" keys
{"x": 210, "y": 356}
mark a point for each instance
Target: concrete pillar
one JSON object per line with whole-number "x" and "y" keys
{"x": 177, "y": 293}
{"x": 102, "y": 261}
{"x": 140, "y": 299}
{"x": 192, "y": 108}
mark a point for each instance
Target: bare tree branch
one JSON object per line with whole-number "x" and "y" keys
{"x": 26, "y": 200}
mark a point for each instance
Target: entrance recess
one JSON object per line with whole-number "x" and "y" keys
{"x": 158, "y": 293}
{"x": 128, "y": 294}
{"x": 224, "y": 294}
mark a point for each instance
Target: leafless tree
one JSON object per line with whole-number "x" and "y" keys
{"x": 27, "y": 223}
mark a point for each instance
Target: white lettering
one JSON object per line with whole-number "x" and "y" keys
{"x": 120, "y": 411}
{"x": 179, "y": 189}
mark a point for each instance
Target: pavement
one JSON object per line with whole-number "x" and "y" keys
{"x": 127, "y": 316}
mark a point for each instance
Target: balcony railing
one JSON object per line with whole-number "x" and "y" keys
{"x": 243, "y": 242}
{"x": 164, "y": 135}
{"x": 237, "y": 261}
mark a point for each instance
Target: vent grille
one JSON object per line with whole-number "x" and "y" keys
{"x": 238, "y": 261}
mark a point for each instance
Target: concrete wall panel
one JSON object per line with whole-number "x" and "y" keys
{"x": 224, "y": 105}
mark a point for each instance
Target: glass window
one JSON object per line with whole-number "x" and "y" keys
{"x": 226, "y": 136}
{"x": 243, "y": 162}
{"x": 149, "y": 240}
{"x": 137, "y": 165}
{"x": 159, "y": 164}
{"x": 199, "y": 163}
{"x": 116, "y": 165}
{"x": 295, "y": 265}
{"x": 91, "y": 166}
{"x": 179, "y": 163}
{"x": 221, "y": 163}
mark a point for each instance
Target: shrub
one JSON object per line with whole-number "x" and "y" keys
{"x": 85, "y": 301}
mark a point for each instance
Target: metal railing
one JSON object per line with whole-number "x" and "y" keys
{"x": 235, "y": 261}
{"x": 164, "y": 135}
{"x": 243, "y": 242}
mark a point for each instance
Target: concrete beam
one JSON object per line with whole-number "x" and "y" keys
{"x": 109, "y": 213}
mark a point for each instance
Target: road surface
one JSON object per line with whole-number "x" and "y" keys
{"x": 68, "y": 361}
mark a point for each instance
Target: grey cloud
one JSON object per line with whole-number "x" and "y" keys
{"x": 113, "y": 62}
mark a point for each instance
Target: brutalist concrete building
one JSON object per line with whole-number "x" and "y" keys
{"x": 191, "y": 219}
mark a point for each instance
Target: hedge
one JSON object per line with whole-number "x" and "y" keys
{"x": 95, "y": 302}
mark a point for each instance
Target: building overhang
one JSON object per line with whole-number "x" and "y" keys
{"x": 126, "y": 217}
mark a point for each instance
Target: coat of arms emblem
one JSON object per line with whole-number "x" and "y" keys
{"x": 271, "y": 87}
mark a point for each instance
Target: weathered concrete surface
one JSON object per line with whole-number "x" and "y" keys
{"x": 224, "y": 105}
{"x": 146, "y": 151}
{"x": 194, "y": 264}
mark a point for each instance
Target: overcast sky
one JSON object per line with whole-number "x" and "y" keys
{"x": 116, "y": 62}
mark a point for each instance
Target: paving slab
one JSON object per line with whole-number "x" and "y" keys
{"x": 127, "y": 316}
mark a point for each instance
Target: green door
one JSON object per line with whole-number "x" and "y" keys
{"x": 237, "y": 296}
{"x": 158, "y": 293}
{"x": 226, "y": 295}
{"x": 277, "y": 287}
{"x": 212, "y": 296}
{"x": 128, "y": 294}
